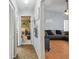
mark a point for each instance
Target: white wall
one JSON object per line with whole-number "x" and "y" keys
{"x": 25, "y": 13}
{"x": 38, "y": 42}
{"x": 54, "y": 21}
{"x": 11, "y": 33}
{"x": 19, "y": 31}
{"x": 66, "y": 25}
{"x": 13, "y": 18}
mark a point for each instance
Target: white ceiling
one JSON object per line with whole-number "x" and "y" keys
{"x": 50, "y": 6}
{"x": 22, "y": 6}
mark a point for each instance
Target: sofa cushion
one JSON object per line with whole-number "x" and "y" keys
{"x": 58, "y": 32}
{"x": 49, "y": 32}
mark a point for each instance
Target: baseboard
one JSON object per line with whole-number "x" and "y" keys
{"x": 14, "y": 57}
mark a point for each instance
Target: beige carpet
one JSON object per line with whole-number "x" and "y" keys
{"x": 26, "y": 52}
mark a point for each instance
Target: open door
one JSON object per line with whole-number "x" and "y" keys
{"x": 25, "y": 29}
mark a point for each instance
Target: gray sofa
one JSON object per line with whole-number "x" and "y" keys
{"x": 56, "y": 34}
{"x": 50, "y": 35}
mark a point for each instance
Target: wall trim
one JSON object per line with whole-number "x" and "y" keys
{"x": 10, "y": 2}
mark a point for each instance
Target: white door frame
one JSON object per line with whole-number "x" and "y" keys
{"x": 12, "y": 40}
{"x": 42, "y": 28}
{"x": 20, "y": 39}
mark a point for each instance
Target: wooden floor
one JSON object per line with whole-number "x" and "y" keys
{"x": 26, "y": 52}
{"x": 58, "y": 50}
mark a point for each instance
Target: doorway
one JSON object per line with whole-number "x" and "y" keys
{"x": 25, "y": 29}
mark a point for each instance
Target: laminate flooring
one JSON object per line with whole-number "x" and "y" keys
{"x": 26, "y": 52}
{"x": 59, "y": 49}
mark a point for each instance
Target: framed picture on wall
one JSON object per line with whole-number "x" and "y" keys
{"x": 36, "y": 32}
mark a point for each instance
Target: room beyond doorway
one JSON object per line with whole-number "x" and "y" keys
{"x": 25, "y": 29}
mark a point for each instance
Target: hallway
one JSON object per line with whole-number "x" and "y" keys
{"x": 44, "y": 15}
{"x": 26, "y": 52}
{"x": 58, "y": 50}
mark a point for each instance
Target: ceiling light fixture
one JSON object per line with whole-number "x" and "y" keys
{"x": 67, "y": 12}
{"x": 26, "y": 1}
